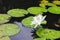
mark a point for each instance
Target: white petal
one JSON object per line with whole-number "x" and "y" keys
{"x": 37, "y": 20}
{"x": 43, "y": 17}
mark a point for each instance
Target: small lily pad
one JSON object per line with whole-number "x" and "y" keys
{"x": 44, "y": 22}
{"x": 4, "y": 18}
{"x": 5, "y": 38}
{"x": 48, "y": 33}
{"x": 17, "y": 12}
{"x": 36, "y": 10}
{"x": 54, "y": 10}
{"x": 27, "y": 22}
{"x": 46, "y": 3}
{"x": 43, "y": 3}
{"x": 56, "y": 2}
{"x": 9, "y": 29}
{"x": 51, "y": 4}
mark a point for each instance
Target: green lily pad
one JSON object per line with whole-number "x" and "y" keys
{"x": 3, "y": 21}
{"x": 4, "y": 18}
{"x": 54, "y": 10}
{"x": 1, "y": 33}
{"x": 5, "y": 38}
{"x": 36, "y": 10}
{"x": 47, "y": 4}
{"x": 17, "y": 12}
{"x": 27, "y": 22}
{"x": 40, "y": 38}
{"x": 48, "y": 33}
{"x": 9, "y": 29}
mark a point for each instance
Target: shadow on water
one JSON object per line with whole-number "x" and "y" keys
{"x": 51, "y": 20}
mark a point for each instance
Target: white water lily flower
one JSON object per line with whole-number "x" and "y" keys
{"x": 37, "y": 20}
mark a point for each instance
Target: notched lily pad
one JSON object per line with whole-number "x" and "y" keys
{"x": 9, "y": 29}
{"x": 54, "y": 10}
{"x": 27, "y": 22}
{"x": 5, "y": 38}
{"x": 4, "y": 18}
{"x": 36, "y": 10}
{"x": 17, "y": 12}
{"x": 48, "y": 33}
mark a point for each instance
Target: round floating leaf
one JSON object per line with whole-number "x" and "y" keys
{"x": 27, "y": 22}
{"x": 40, "y": 38}
{"x": 48, "y": 33}
{"x": 17, "y": 12}
{"x": 36, "y": 10}
{"x": 54, "y": 10}
{"x": 9, "y": 29}
{"x": 4, "y": 18}
{"x": 5, "y": 38}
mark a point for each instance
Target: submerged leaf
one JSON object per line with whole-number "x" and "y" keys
{"x": 17, "y": 12}
{"x": 48, "y": 33}
{"x": 54, "y": 10}
{"x": 4, "y": 18}
{"x": 9, "y": 29}
{"x": 36, "y": 10}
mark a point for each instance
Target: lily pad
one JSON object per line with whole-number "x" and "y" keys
{"x": 4, "y": 18}
{"x": 40, "y": 39}
{"x": 56, "y": 2}
{"x": 1, "y": 33}
{"x": 46, "y": 3}
{"x": 17, "y": 12}
{"x": 9, "y": 29}
{"x": 44, "y": 22}
{"x": 54, "y": 10}
{"x": 36, "y": 10}
{"x": 27, "y": 22}
{"x": 43, "y": 3}
{"x": 48, "y": 33}
{"x": 5, "y": 38}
